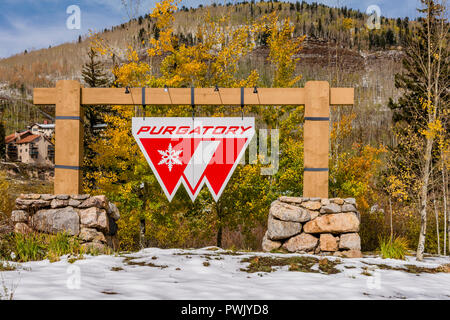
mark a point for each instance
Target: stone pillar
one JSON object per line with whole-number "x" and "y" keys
{"x": 314, "y": 225}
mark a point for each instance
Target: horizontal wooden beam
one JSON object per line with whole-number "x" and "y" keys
{"x": 44, "y": 96}
{"x": 342, "y": 96}
{"x": 202, "y": 96}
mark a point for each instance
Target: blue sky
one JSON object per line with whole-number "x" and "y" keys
{"x": 35, "y": 24}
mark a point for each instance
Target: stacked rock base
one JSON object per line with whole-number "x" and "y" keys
{"x": 315, "y": 226}
{"x": 92, "y": 219}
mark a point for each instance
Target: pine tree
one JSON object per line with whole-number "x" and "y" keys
{"x": 94, "y": 76}
{"x": 93, "y": 72}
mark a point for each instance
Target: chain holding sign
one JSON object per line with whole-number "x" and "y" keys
{"x": 193, "y": 152}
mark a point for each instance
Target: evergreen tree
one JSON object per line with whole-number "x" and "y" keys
{"x": 408, "y": 108}
{"x": 93, "y": 72}
{"x": 390, "y": 37}
{"x": 94, "y": 76}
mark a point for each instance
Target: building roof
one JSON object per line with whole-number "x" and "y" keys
{"x": 47, "y": 126}
{"x": 11, "y": 137}
{"x": 29, "y": 139}
{"x": 44, "y": 126}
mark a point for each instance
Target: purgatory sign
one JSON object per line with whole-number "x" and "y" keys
{"x": 193, "y": 151}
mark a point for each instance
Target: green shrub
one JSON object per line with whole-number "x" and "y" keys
{"x": 395, "y": 249}
{"x": 61, "y": 244}
{"x": 30, "y": 247}
{"x": 35, "y": 246}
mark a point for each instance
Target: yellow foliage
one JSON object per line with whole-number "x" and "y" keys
{"x": 4, "y": 199}
{"x": 123, "y": 174}
{"x": 348, "y": 23}
{"x": 355, "y": 173}
{"x": 283, "y": 49}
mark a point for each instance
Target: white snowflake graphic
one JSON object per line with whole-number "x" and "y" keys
{"x": 170, "y": 157}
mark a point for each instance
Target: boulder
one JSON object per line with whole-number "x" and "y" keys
{"x": 96, "y": 201}
{"x": 294, "y": 200}
{"x": 328, "y": 242}
{"x": 312, "y": 205}
{"x": 34, "y": 204}
{"x": 269, "y": 245}
{"x": 22, "y": 228}
{"x": 80, "y": 197}
{"x": 287, "y": 212}
{"x": 350, "y": 241}
{"x": 19, "y": 216}
{"x": 349, "y": 254}
{"x": 103, "y": 221}
{"x": 48, "y": 197}
{"x": 62, "y": 197}
{"x": 89, "y": 234}
{"x": 57, "y": 220}
{"x": 325, "y": 201}
{"x": 333, "y": 223}
{"x": 88, "y": 217}
{"x": 331, "y": 208}
{"x": 57, "y": 203}
{"x": 301, "y": 242}
{"x": 74, "y": 203}
{"x": 113, "y": 211}
{"x": 313, "y": 214}
{"x": 350, "y": 201}
{"x": 278, "y": 229}
{"x": 94, "y": 218}
{"x": 348, "y": 208}
{"x": 338, "y": 201}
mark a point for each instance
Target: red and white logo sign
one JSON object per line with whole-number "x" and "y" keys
{"x": 193, "y": 151}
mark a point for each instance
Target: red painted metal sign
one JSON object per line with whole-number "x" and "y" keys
{"x": 193, "y": 152}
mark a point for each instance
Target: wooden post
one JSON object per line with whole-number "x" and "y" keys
{"x": 316, "y": 139}
{"x": 68, "y": 138}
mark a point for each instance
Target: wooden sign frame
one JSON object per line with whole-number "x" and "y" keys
{"x": 69, "y": 97}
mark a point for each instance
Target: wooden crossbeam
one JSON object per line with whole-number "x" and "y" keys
{"x": 202, "y": 96}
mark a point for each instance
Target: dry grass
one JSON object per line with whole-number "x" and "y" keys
{"x": 300, "y": 264}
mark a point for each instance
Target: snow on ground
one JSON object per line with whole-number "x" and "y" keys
{"x": 183, "y": 274}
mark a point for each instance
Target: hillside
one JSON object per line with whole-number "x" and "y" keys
{"x": 339, "y": 27}
{"x": 339, "y": 49}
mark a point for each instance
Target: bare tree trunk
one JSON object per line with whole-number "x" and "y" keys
{"x": 142, "y": 234}
{"x": 446, "y": 216}
{"x": 220, "y": 226}
{"x": 424, "y": 200}
{"x": 392, "y": 227}
{"x": 219, "y": 236}
{"x": 437, "y": 227}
